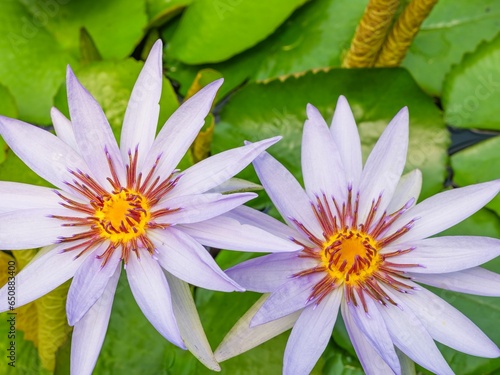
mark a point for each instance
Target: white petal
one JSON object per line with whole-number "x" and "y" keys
{"x": 92, "y": 131}
{"x": 409, "y": 334}
{"x": 286, "y": 193}
{"x": 180, "y": 130}
{"x": 346, "y": 137}
{"x": 408, "y": 188}
{"x": 152, "y": 293}
{"x": 63, "y": 128}
{"x": 26, "y": 229}
{"x": 310, "y": 335}
{"x": 447, "y": 254}
{"x": 189, "y": 322}
{"x": 43, "y": 152}
{"x": 445, "y": 209}
{"x": 43, "y": 275}
{"x": 188, "y": 260}
{"x": 219, "y": 168}
{"x": 267, "y": 273}
{"x": 89, "y": 332}
{"x": 290, "y": 297}
{"x": 235, "y": 185}
{"x": 89, "y": 283}
{"x": 322, "y": 165}
{"x": 372, "y": 363}
{"x": 141, "y": 116}
{"x": 199, "y": 207}
{"x": 373, "y": 326}
{"x": 16, "y": 196}
{"x": 224, "y": 232}
{"x": 242, "y": 338}
{"x": 449, "y": 326}
{"x": 475, "y": 280}
{"x": 384, "y": 166}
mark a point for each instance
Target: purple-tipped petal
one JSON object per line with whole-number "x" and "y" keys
{"x": 219, "y": 168}
{"x": 346, "y": 137}
{"x": 92, "y": 131}
{"x": 286, "y": 193}
{"x": 384, "y": 166}
{"x": 310, "y": 335}
{"x": 447, "y": 254}
{"x": 224, "y": 232}
{"x": 444, "y": 210}
{"x": 475, "y": 280}
{"x": 408, "y": 189}
{"x": 269, "y": 272}
{"x": 16, "y": 196}
{"x": 180, "y": 130}
{"x": 322, "y": 165}
{"x": 44, "y": 153}
{"x": 189, "y": 322}
{"x": 63, "y": 128}
{"x": 43, "y": 275}
{"x": 188, "y": 260}
{"x": 200, "y": 207}
{"x": 89, "y": 283}
{"x": 235, "y": 185}
{"x": 449, "y": 326}
{"x": 152, "y": 293}
{"x": 143, "y": 109}
{"x": 89, "y": 332}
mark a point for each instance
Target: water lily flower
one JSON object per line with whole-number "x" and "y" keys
{"x": 126, "y": 205}
{"x": 366, "y": 253}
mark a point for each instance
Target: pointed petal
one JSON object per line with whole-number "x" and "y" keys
{"x": 188, "y": 260}
{"x": 269, "y": 272}
{"x": 290, "y": 297}
{"x": 200, "y": 207}
{"x": 180, "y": 130}
{"x": 89, "y": 283}
{"x": 42, "y": 275}
{"x": 286, "y": 193}
{"x": 16, "y": 196}
{"x": 219, "y": 168}
{"x": 89, "y": 332}
{"x": 152, "y": 293}
{"x": 372, "y": 324}
{"x": 372, "y": 363}
{"x": 409, "y": 334}
{"x": 242, "y": 338}
{"x": 448, "y": 325}
{"x": 27, "y": 229}
{"x": 235, "y": 185}
{"x": 92, "y": 131}
{"x": 346, "y": 137}
{"x": 445, "y": 209}
{"x": 447, "y": 254}
{"x": 310, "y": 335}
{"x": 141, "y": 116}
{"x": 408, "y": 188}
{"x": 384, "y": 166}
{"x": 322, "y": 165}
{"x": 475, "y": 280}
{"x": 189, "y": 322}
{"x": 63, "y": 128}
{"x": 224, "y": 232}
{"x": 42, "y": 152}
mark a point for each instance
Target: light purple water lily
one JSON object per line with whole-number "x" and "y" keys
{"x": 365, "y": 246}
{"x": 126, "y": 205}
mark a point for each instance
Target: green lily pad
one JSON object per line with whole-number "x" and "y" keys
{"x": 213, "y": 31}
{"x": 8, "y": 108}
{"x": 161, "y": 11}
{"x": 453, "y": 28}
{"x": 260, "y": 111}
{"x": 471, "y": 91}
{"x": 478, "y": 163}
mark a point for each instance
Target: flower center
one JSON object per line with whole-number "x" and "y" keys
{"x": 351, "y": 256}
{"x": 122, "y": 216}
